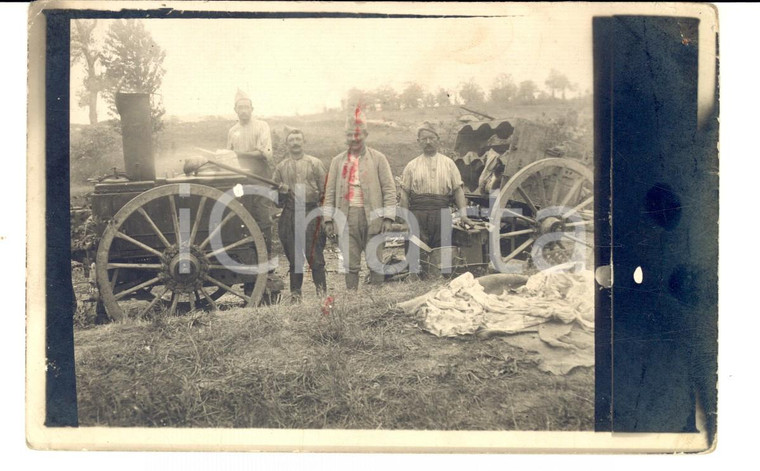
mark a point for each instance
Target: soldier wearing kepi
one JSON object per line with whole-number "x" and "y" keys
{"x": 360, "y": 183}
{"x": 301, "y": 176}
{"x": 429, "y": 183}
{"x": 251, "y": 140}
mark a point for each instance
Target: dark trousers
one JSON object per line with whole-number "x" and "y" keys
{"x": 430, "y": 226}
{"x": 313, "y": 248}
{"x": 427, "y": 209}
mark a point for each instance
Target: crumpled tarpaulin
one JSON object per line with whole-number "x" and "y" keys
{"x": 553, "y": 313}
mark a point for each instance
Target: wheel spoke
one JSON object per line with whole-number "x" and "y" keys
{"x": 208, "y": 298}
{"x": 519, "y": 249}
{"x": 555, "y": 190}
{"x": 153, "y": 303}
{"x": 575, "y": 239}
{"x": 131, "y": 290}
{"x": 173, "y": 306}
{"x": 229, "y": 289}
{"x": 136, "y": 242}
{"x": 155, "y": 228}
{"x": 231, "y": 246}
{"x": 197, "y": 221}
{"x": 527, "y": 200}
{"x": 216, "y": 230}
{"x": 136, "y": 266}
{"x": 243, "y": 269}
{"x": 582, "y": 205}
{"x": 579, "y": 223}
{"x": 192, "y": 297}
{"x": 175, "y": 220}
{"x": 570, "y": 194}
{"x": 517, "y": 233}
{"x": 540, "y": 178}
{"x": 516, "y": 215}
{"x": 113, "y": 279}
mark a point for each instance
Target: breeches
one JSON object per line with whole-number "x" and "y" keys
{"x": 357, "y": 232}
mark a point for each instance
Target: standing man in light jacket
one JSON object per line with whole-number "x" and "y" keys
{"x": 251, "y": 140}
{"x": 360, "y": 186}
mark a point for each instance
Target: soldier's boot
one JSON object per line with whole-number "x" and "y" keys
{"x": 320, "y": 281}
{"x": 352, "y": 281}
{"x": 296, "y": 281}
{"x": 376, "y": 278}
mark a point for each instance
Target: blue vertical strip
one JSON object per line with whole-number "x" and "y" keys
{"x": 657, "y": 223}
{"x": 602, "y": 51}
{"x": 60, "y": 387}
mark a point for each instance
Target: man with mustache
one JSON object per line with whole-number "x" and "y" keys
{"x": 429, "y": 183}
{"x": 302, "y": 180}
{"x": 360, "y": 185}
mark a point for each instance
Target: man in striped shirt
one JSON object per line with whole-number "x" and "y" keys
{"x": 429, "y": 183}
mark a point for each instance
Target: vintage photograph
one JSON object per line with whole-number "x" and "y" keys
{"x": 333, "y": 223}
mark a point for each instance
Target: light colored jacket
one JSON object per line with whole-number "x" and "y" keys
{"x": 376, "y": 181}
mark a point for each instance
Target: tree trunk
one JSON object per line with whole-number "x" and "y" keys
{"x": 93, "y": 105}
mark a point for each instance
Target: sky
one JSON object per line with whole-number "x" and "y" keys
{"x": 300, "y": 66}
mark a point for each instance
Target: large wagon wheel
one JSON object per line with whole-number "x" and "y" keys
{"x": 181, "y": 263}
{"x": 549, "y": 201}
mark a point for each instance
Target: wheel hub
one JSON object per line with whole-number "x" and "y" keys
{"x": 184, "y": 270}
{"x": 549, "y": 225}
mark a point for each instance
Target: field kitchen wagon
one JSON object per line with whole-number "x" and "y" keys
{"x": 158, "y": 248}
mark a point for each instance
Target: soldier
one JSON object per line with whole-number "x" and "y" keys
{"x": 307, "y": 172}
{"x": 252, "y": 142}
{"x": 360, "y": 185}
{"x": 429, "y": 183}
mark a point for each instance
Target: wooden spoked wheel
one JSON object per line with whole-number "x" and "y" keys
{"x": 545, "y": 210}
{"x": 178, "y": 247}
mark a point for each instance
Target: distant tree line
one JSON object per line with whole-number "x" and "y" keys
{"x": 504, "y": 90}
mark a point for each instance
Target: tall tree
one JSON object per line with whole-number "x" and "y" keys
{"x": 442, "y": 97}
{"x": 357, "y": 97}
{"x": 471, "y": 93}
{"x": 503, "y": 89}
{"x": 428, "y": 100}
{"x": 527, "y": 91}
{"x": 412, "y": 95}
{"x": 84, "y": 48}
{"x": 134, "y": 62}
{"x": 388, "y": 97}
{"x": 557, "y": 81}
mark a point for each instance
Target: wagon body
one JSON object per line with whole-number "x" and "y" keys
{"x": 171, "y": 243}
{"x": 109, "y": 197}
{"x": 530, "y": 179}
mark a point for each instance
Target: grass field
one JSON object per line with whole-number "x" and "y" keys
{"x": 364, "y": 365}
